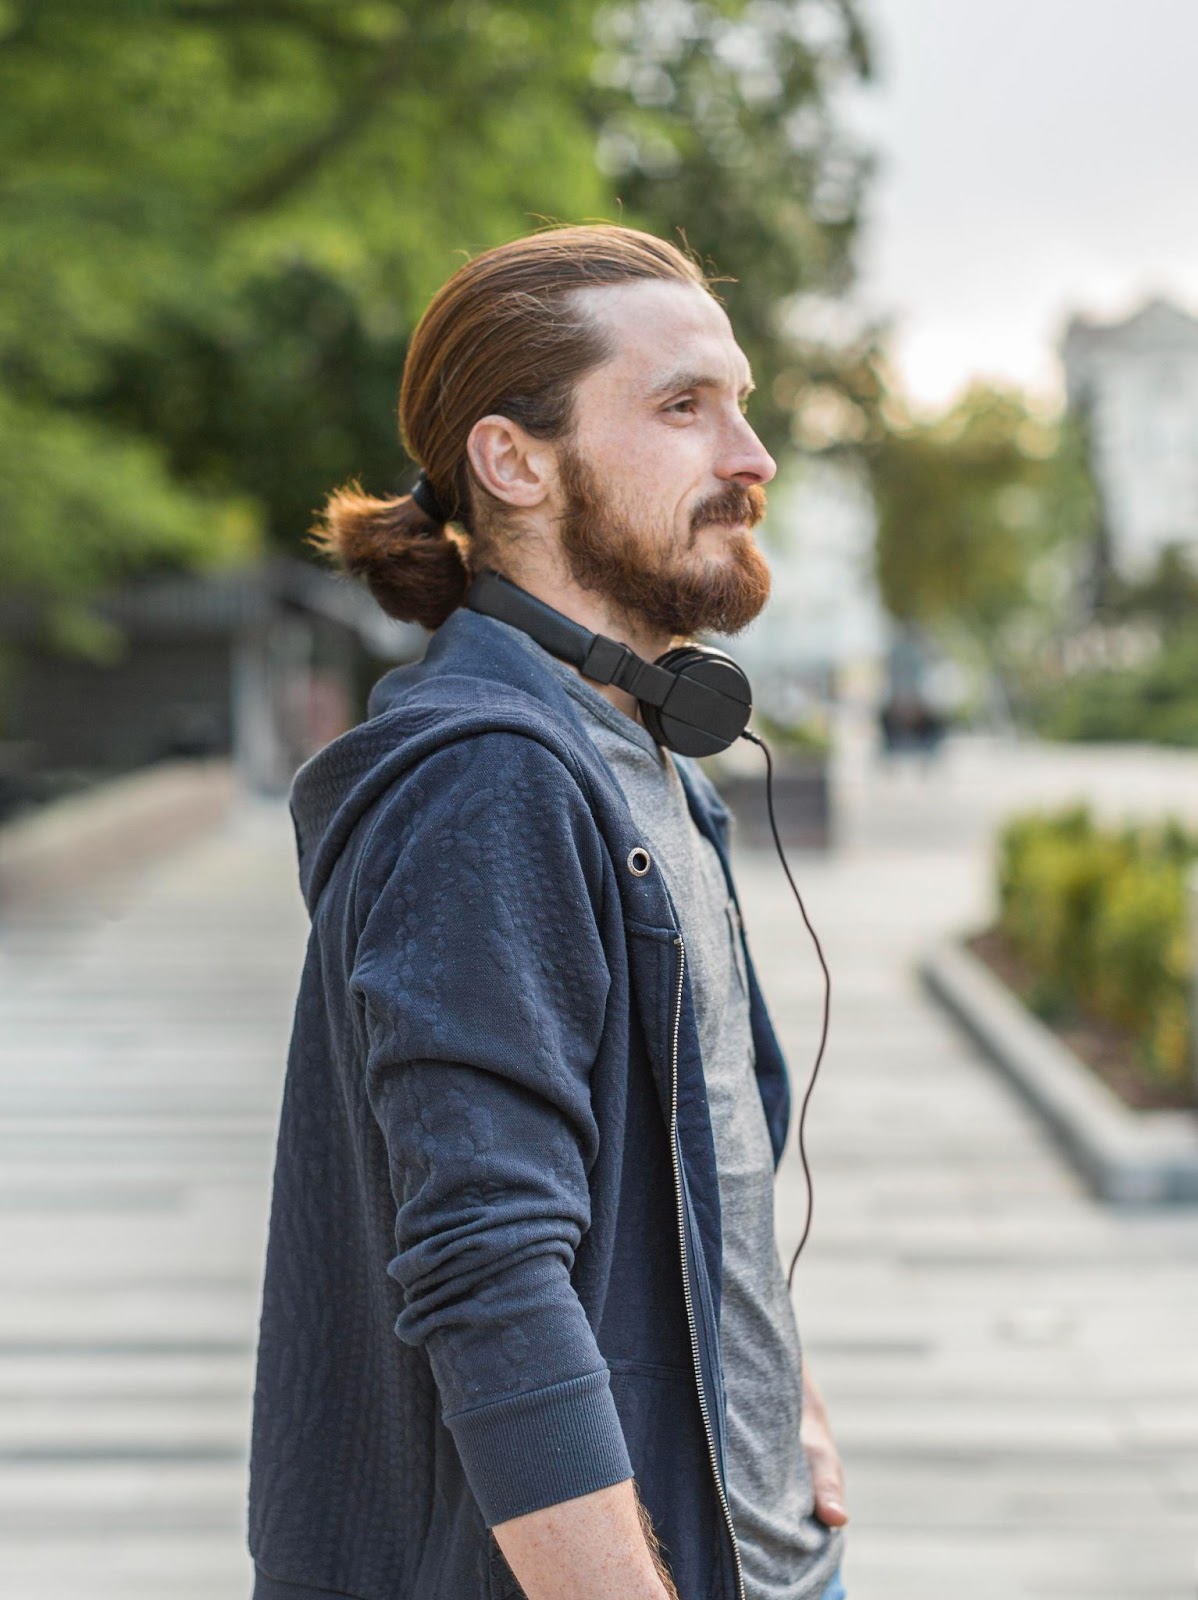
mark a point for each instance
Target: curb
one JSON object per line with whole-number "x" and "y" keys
{"x": 70, "y": 843}
{"x": 1126, "y": 1157}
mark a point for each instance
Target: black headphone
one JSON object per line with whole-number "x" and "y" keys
{"x": 693, "y": 699}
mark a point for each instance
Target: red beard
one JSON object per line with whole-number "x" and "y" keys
{"x": 654, "y": 580}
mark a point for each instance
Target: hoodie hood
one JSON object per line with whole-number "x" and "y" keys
{"x": 478, "y": 675}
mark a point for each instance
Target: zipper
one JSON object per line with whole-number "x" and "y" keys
{"x": 686, "y": 1284}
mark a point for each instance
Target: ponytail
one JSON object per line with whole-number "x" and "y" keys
{"x": 413, "y": 566}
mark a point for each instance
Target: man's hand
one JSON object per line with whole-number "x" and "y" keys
{"x": 826, "y": 1475}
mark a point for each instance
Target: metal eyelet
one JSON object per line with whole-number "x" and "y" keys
{"x": 639, "y": 861}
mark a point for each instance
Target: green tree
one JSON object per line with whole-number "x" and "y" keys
{"x": 983, "y": 516}
{"x": 223, "y": 217}
{"x": 1167, "y": 595}
{"x": 721, "y": 121}
{"x": 206, "y": 207}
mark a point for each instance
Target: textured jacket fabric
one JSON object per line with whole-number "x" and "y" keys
{"x": 492, "y": 1278}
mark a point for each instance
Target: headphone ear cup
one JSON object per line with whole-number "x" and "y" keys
{"x": 721, "y": 721}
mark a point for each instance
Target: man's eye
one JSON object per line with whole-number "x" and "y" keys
{"x": 682, "y": 406}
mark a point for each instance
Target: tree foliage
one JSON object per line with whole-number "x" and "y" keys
{"x": 721, "y": 121}
{"x": 223, "y": 217}
{"x": 1134, "y": 672}
{"x": 981, "y": 514}
{"x": 1167, "y": 595}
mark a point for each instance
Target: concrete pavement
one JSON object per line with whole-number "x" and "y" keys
{"x": 142, "y": 1032}
{"x": 1011, "y": 1370}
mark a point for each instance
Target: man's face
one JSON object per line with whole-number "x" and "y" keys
{"x": 661, "y": 479}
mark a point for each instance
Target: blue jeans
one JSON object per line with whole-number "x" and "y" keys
{"x": 835, "y": 1589}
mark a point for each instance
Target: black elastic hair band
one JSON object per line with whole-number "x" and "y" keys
{"x": 425, "y": 497}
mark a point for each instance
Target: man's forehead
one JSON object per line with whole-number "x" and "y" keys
{"x": 664, "y": 334}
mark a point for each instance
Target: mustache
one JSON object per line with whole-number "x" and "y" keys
{"x": 730, "y": 507}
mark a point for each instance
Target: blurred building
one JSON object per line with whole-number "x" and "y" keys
{"x": 824, "y": 633}
{"x": 265, "y": 665}
{"x": 1136, "y": 384}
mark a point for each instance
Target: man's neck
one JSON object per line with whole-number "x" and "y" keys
{"x": 551, "y": 583}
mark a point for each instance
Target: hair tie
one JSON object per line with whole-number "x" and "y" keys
{"x": 425, "y": 497}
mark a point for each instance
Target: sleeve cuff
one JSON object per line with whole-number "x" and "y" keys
{"x": 534, "y": 1450}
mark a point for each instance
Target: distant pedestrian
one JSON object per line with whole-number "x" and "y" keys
{"x": 908, "y": 722}
{"x": 524, "y": 1325}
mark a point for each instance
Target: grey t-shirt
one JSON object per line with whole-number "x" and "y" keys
{"x": 786, "y": 1553}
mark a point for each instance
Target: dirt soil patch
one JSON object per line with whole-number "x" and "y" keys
{"x": 1109, "y": 1052}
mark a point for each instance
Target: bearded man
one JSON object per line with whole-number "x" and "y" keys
{"x": 524, "y": 1326}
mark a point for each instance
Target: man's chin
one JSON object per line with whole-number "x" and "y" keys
{"x": 728, "y": 591}
{"x": 720, "y": 540}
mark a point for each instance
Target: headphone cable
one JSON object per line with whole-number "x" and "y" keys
{"x": 769, "y": 799}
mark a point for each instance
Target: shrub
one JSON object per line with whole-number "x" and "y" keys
{"x": 1156, "y": 701}
{"x": 1101, "y": 917}
{"x": 810, "y": 736}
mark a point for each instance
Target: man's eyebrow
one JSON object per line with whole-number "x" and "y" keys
{"x": 677, "y": 381}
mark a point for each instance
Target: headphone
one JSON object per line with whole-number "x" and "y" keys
{"x": 694, "y": 699}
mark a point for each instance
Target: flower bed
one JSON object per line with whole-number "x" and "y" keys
{"x": 1093, "y": 936}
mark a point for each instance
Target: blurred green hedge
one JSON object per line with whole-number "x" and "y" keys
{"x": 1156, "y": 701}
{"x": 1101, "y": 917}
{"x": 808, "y": 737}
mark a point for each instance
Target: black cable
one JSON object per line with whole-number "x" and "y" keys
{"x": 769, "y": 800}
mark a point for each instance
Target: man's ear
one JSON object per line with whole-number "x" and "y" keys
{"x": 508, "y": 462}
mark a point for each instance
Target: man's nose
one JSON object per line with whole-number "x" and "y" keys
{"x": 746, "y": 458}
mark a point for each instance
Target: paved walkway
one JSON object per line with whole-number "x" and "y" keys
{"x": 141, "y": 1038}
{"x": 1012, "y": 1371}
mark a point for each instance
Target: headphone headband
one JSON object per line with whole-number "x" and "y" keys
{"x": 693, "y": 699}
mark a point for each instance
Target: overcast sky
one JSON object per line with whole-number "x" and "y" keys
{"x": 1037, "y": 157}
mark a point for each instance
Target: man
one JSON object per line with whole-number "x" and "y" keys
{"x": 524, "y": 1326}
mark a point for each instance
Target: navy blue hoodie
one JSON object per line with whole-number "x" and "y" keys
{"x": 493, "y": 1271}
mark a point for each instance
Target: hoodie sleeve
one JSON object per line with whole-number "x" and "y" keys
{"x": 483, "y": 984}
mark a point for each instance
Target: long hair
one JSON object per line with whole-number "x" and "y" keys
{"x": 504, "y": 335}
